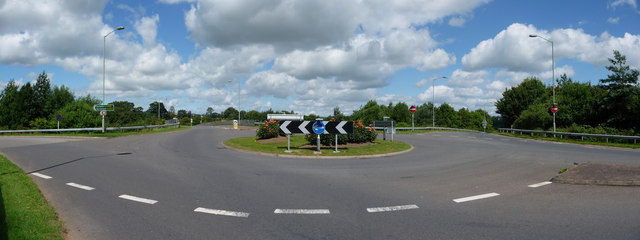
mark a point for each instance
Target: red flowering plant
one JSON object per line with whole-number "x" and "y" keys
{"x": 269, "y": 130}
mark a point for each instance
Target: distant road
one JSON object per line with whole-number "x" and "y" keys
{"x": 186, "y": 185}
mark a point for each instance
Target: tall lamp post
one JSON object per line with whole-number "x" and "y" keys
{"x": 158, "y": 102}
{"x": 238, "y": 100}
{"x": 433, "y": 112}
{"x": 104, "y": 60}
{"x": 553, "y": 76}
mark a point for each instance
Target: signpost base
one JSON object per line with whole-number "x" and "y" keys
{"x": 336, "y": 151}
{"x": 288, "y": 144}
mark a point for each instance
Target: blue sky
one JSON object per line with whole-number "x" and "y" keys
{"x": 310, "y": 56}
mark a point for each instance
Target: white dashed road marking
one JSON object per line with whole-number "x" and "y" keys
{"x": 41, "y": 175}
{"x": 539, "y": 184}
{"x": 392, "y": 208}
{"x": 302, "y": 211}
{"x": 477, "y": 197}
{"x": 138, "y": 199}
{"x": 222, "y": 212}
{"x": 75, "y": 185}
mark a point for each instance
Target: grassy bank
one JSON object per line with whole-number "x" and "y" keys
{"x": 106, "y": 134}
{"x": 298, "y": 141}
{"x": 569, "y": 140}
{"x": 24, "y": 212}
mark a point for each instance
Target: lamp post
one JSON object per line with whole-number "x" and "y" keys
{"x": 433, "y": 112}
{"x": 238, "y": 100}
{"x": 158, "y": 102}
{"x": 104, "y": 60}
{"x": 553, "y": 76}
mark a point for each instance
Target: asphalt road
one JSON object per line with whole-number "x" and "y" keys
{"x": 186, "y": 185}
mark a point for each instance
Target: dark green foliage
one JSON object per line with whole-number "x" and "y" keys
{"x": 424, "y": 114}
{"x": 153, "y": 109}
{"x": 230, "y": 113}
{"x": 9, "y": 105}
{"x": 517, "y": 99}
{"x": 613, "y": 106}
{"x": 446, "y": 116}
{"x": 80, "y": 114}
{"x": 42, "y": 94}
{"x": 401, "y": 113}
{"x": 126, "y": 114}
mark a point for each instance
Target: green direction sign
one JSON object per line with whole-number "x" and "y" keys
{"x": 108, "y": 107}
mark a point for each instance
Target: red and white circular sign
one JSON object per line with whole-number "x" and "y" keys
{"x": 554, "y": 109}
{"x": 412, "y": 109}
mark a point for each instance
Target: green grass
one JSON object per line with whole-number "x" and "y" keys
{"x": 250, "y": 144}
{"x": 24, "y": 213}
{"x": 569, "y": 140}
{"x": 106, "y": 134}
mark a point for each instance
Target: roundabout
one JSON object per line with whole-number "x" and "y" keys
{"x": 188, "y": 185}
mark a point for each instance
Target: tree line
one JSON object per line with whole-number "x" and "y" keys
{"x": 612, "y": 106}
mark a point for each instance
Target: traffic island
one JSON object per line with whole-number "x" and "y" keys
{"x": 601, "y": 174}
{"x": 300, "y": 147}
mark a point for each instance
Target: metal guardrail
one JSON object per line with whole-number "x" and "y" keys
{"x": 427, "y": 128}
{"x": 88, "y": 129}
{"x": 582, "y": 135}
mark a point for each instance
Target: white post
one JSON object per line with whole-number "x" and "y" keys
{"x": 336, "y": 151}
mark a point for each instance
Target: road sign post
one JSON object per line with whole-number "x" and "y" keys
{"x": 318, "y": 128}
{"x": 235, "y": 124}
{"x": 412, "y": 109}
{"x": 58, "y": 117}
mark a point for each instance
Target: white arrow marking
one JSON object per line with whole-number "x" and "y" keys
{"x": 325, "y": 127}
{"x": 340, "y": 127}
{"x": 283, "y": 127}
{"x": 303, "y": 127}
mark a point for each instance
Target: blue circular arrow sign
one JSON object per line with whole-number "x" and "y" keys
{"x": 318, "y": 127}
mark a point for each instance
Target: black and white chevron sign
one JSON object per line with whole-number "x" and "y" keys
{"x": 306, "y": 127}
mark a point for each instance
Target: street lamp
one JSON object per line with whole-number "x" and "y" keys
{"x": 238, "y": 100}
{"x": 553, "y": 76}
{"x": 158, "y": 102}
{"x": 433, "y": 112}
{"x": 104, "y": 60}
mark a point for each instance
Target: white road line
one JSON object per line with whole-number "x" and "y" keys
{"x": 392, "y": 208}
{"x": 477, "y": 197}
{"x": 41, "y": 175}
{"x": 539, "y": 184}
{"x": 138, "y": 199}
{"x": 302, "y": 211}
{"x": 75, "y": 185}
{"x": 222, "y": 212}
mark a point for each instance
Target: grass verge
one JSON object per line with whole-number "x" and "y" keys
{"x": 24, "y": 212}
{"x": 575, "y": 141}
{"x": 250, "y": 144}
{"x": 106, "y": 134}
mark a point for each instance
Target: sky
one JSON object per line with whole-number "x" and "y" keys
{"x": 310, "y": 56}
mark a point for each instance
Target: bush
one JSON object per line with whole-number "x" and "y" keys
{"x": 268, "y": 130}
{"x": 41, "y": 123}
{"x": 185, "y": 121}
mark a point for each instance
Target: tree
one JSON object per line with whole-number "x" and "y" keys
{"x": 125, "y": 113}
{"x": 230, "y": 113}
{"x": 27, "y": 106}
{"x": 578, "y": 102}
{"x": 424, "y": 114}
{"x": 536, "y": 116}
{"x": 446, "y": 116}
{"x": 369, "y": 113}
{"x": 9, "y": 105}
{"x": 400, "y": 113}
{"x": 209, "y": 112}
{"x": 621, "y": 103}
{"x": 182, "y": 114}
{"x": 43, "y": 94}
{"x": 60, "y": 97}
{"x": 517, "y": 99}
{"x": 337, "y": 114}
{"x": 80, "y": 114}
{"x": 254, "y": 115}
{"x": 153, "y": 109}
